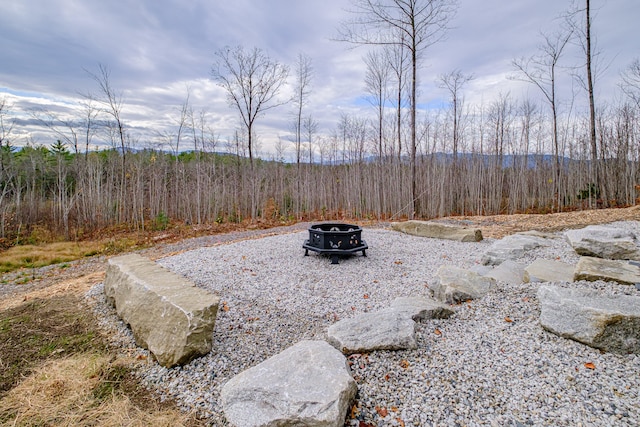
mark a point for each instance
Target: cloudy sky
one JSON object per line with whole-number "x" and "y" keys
{"x": 156, "y": 49}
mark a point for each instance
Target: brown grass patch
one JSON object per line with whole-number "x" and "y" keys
{"x": 56, "y": 368}
{"x": 33, "y": 256}
{"x": 83, "y": 390}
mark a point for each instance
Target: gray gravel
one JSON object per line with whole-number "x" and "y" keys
{"x": 489, "y": 364}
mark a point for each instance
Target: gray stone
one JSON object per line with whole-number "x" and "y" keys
{"x": 510, "y": 247}
{"x": 308, "y": 384}
{"x": 604, "y": 242}
{"x": 508, "y": 272}
{"x": 590, "y": 268}
{"x": 387, "y": 329}
{"x": 536, "y": 233}
{"x": 455, "y": 285}
{"x": 421, "y": 308}
{"x": 609, "y": 323}
{"x": 438, "y": 231}
{"x": 545, "y": 270}
{"x": 481, "y": 269}
{"x": 167, "y": 313}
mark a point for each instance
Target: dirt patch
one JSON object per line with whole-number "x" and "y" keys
{"x": 498, "y": 226}
{"x": 42, "y": 329}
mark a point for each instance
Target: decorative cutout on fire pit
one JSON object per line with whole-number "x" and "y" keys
{"x": 335, "y": 240}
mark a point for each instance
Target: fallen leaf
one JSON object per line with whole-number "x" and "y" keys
{"x": 382, "y": 411}
{"x": 404, "y": 363}
{"x": 508, "y": 320}
{"x": 354, "y": 411}
{"x": 437, "y": 332}
{"x": 394, "y": 409}
{"x": 363, "y": 424}
{"x": 589, "y": 365}
{"x": 387, "y": 377}
{"x": 398, "y": 262}
{"x": 400, "y": 422}
{"x": 225, "y": 307}
{"x": 366, "y": 296}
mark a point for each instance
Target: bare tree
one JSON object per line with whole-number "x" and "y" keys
{"x": 112, "y": 102}
{"x": 413, "y": 24}
{"x": 582, "y": 27}
{"x": 252, "y": 81}
{"x": 631, "y": 81}
{"x": 398, "y": 62}
{"x": 6, "y": 125}
{"x": 453, "y": 82}
{"x": 540, "y": 70}
{"x": 376, "y": 81}
{"x": 310, "y": 127}
{"x": 304, "y": 74}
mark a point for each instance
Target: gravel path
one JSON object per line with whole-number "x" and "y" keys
{"x": 489, "y": 364}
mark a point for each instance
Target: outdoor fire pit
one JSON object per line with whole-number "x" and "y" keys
{"x": 335, "y": 240}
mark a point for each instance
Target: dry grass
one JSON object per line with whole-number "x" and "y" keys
{"x": 81, "y": 390}
{"x": 33, "y": 256}
{"x": 56, "y": 368}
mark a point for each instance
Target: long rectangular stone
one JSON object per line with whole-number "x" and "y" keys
{"x": 167, "y": 313}
{"x": 438, "y": 231}
{"x": 591, "y": 268}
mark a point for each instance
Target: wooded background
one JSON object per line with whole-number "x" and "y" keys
{"x": 503, "y": 166}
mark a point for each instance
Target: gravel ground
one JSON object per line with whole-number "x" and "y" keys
{"x": 489, "y": 364}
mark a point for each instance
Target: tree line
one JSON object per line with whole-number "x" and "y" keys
{"x": 507, "y": 155}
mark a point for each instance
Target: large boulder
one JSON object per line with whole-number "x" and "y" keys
{"x": 167, "y": 313}
{"x": 604, "y": 242}
{"x": 511, "y": 247}
{"x": 546, "y": 270}
{"x": 609, "y": 323}
{"x": 592, "y": 269}
{"x": 455, "y": 285}
{"x": 308, "y": 384}
{"x": 421, "y": 308}
{"x": 438, "y": 231}
{"x": 387, "y": 329}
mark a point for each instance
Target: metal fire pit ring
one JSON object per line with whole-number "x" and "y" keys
{"x": 335, "y": 240}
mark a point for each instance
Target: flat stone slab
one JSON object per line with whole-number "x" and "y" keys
{"x": 438, "y": 231}
{"x": 308, "y": 384}
{"x": 592, "y": 269}
{"x": 511, "y": 248}
{"x": 546, "y": 270}
{"x": 609, "y": 323}
{"x": 387, "y": 329}
{"x": 167, "y": 313}
{"x": 456, "y": 285}
{"x": 604, "y": 242}
{"x": 508, "y": 272}
{"x": 421, "y": 308}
